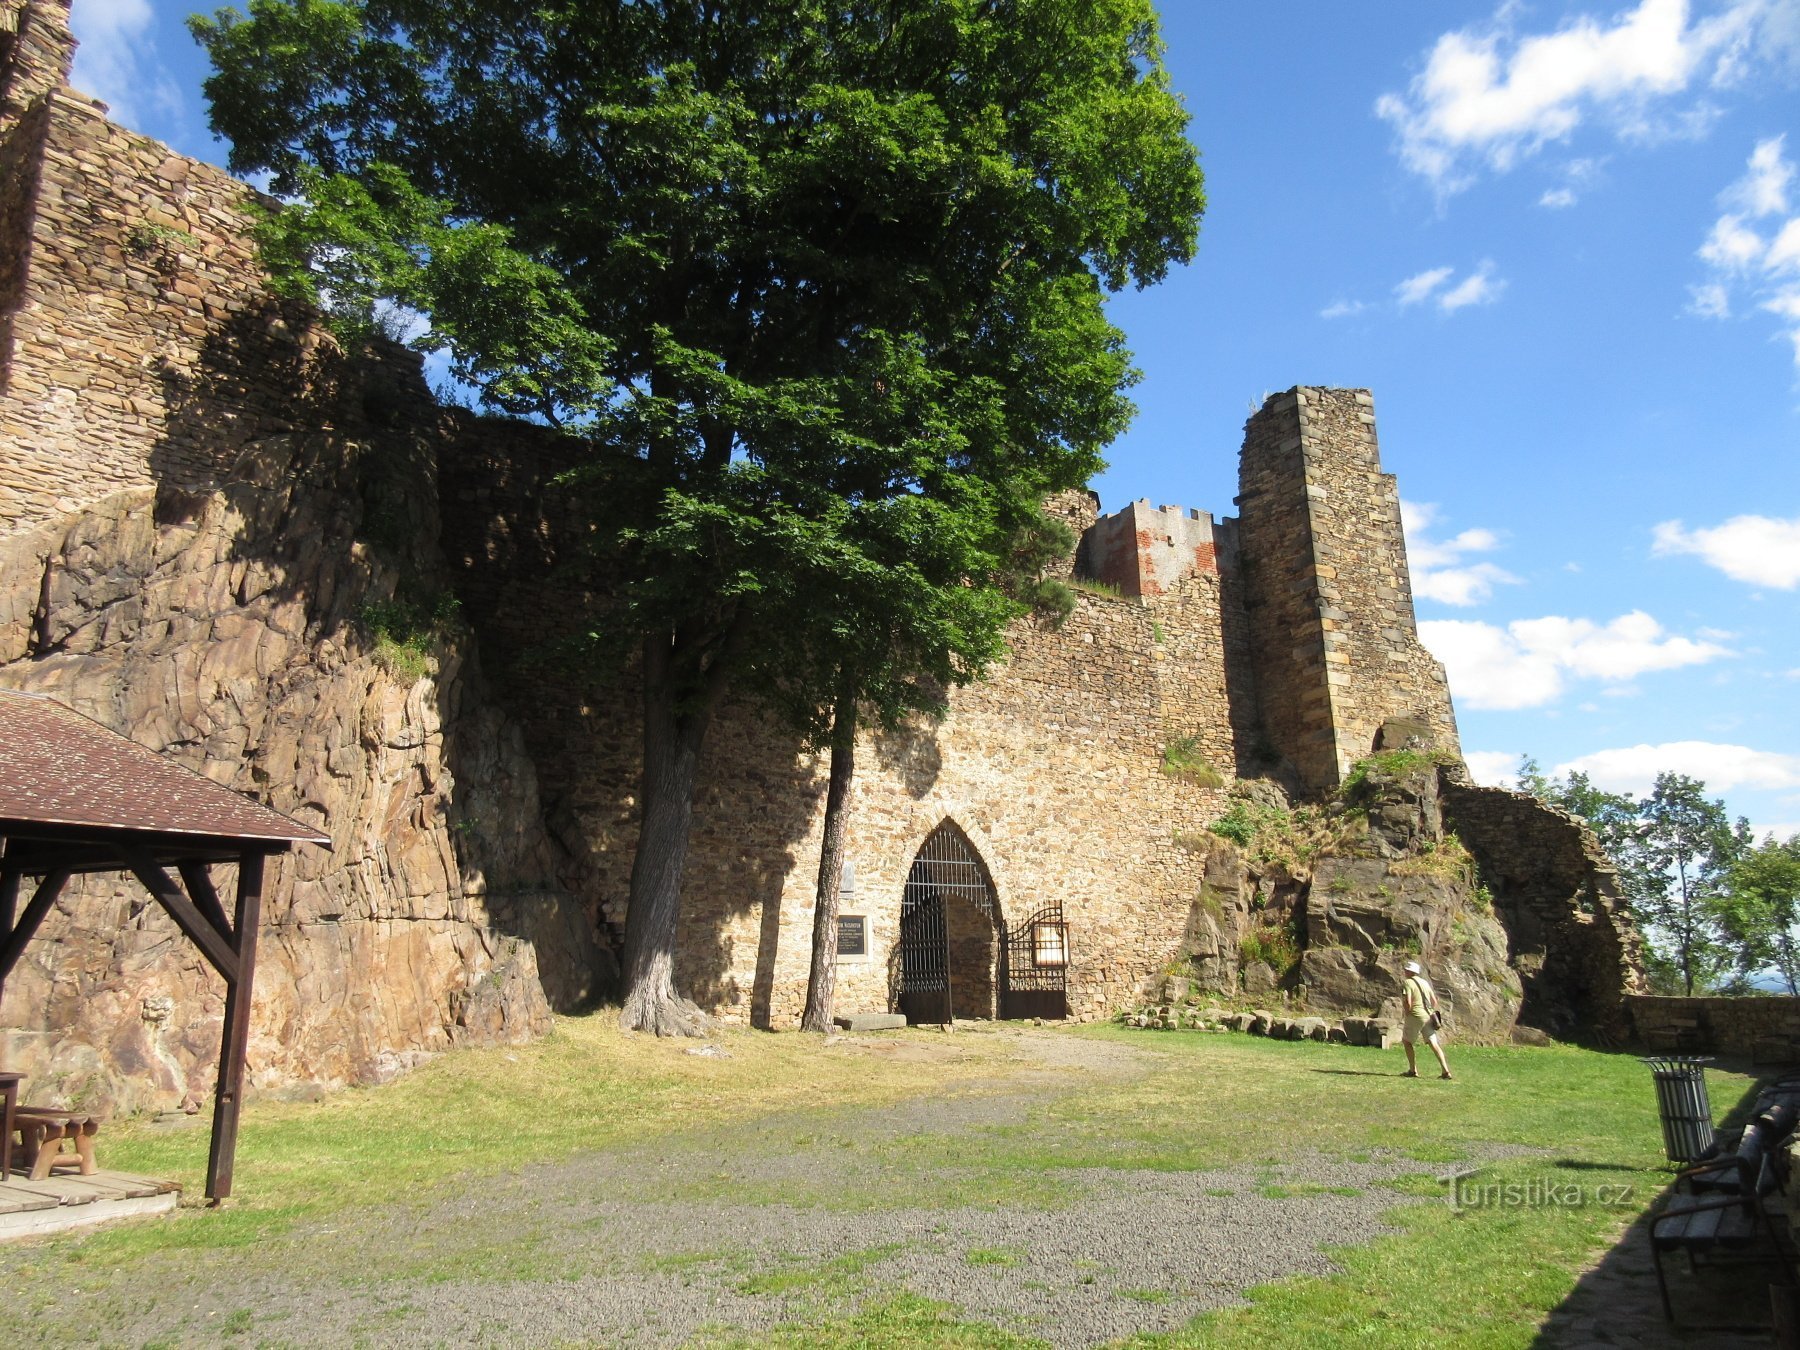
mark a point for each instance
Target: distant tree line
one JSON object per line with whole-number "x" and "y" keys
{"x": 1719, "y": 910}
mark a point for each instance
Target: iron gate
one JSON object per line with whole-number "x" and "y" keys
{"x": 1035, "y": 969}
{"x": 1031, "y": 975}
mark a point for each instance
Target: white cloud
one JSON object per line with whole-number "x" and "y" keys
{"x": 1741, "y": 256}
{"x": 1495, "y": 768}
{"x": 1781, "y": 829}
{"x": 1760, "y": 550}
{"x": 1784, "y": 249}
{"x": 1441, "y": 569}
{"x": 1478, "y": 288}
{"x": 1416, "y": 288}
{"x": 1730, "y": 247}
{"x": 1342, "y": 309}
{"x": 117, "y": 61}
{"x": 1489, "y": 97}
{"x": 1722, "y": 768}
{"x": 1763, "y": 190}
{"x": 1557, "y": 198}
{"x": 1709, "y": 302}
{"x": 1529, "y": 662}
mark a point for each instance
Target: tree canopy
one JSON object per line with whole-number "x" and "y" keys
{"x": 812, "y": 282}
{"x": 1710, "y": 899}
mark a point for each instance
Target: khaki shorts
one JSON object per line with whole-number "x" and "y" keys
{"x": 1416, "y": 1029}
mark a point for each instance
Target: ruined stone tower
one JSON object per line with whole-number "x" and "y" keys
{"x": 1329, "y": 600}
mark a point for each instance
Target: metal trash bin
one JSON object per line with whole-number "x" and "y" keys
{"x": 1685, "y": 1108}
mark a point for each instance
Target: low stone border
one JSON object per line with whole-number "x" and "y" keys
{"x": 1380, "y": 1033}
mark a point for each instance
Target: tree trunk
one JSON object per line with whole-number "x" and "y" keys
{"x": 672, "y": 740}
{"x": 821, "y": 983}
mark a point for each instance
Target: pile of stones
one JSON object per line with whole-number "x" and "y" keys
{"x": 1379, "y": 1032}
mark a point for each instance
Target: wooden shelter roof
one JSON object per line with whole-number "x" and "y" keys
{"x": 76, "y": 797}
{"x": 65, "y": 776}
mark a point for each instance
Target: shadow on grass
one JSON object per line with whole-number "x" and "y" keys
{"x": 1718, "y": 1306}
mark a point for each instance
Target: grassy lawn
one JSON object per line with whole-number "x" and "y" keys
{"x": 477, "y": 1112}
{"x": 1480, "y": 1275}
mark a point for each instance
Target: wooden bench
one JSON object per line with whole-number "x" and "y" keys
{"x": 44, "y": 1133}
{"x": 1729, "y": 1212}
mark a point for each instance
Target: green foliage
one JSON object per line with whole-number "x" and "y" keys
{"x": 1275, "y": 944}
{"x": 161, "y": 243}
{"x": 1394, "y": 764}
{"x": 1674, "y": 852}
{"x": 1238, "y": 824}
{"x": 821, "y": 288}
{"x": 406, "y": 629}
{"x": 1104, "y": 589}
{"x": 1448, "y": 859}
{"x": 1759, "y": 910}
{"x": 1269, "y": 834}
{"x": 1181, "y": 758}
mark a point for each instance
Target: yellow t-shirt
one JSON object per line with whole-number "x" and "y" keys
{"x": 1421, "y": 998}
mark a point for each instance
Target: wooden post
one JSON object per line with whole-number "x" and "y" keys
{"x": 235, "y": 1040}
{"x": 13, "y": 940}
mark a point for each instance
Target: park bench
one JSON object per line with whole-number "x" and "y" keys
{"x": 44, "y": 1133}
{"x": 1726, "y": 1209}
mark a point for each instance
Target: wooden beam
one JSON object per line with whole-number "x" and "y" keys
{"x": 199, "y": 929}
{"x": 9, "y": 898}
{"x": 235, "y": 1040}
{"x": 198, "y": 880}
{"x": 13, "y": 940}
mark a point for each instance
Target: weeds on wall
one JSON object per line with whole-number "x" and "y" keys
{"x": 1181, "y": 758}
{"x": 159, "y": 245}
{"x": 1276, "y": 945}
{"x": 406, "y": 629}
{"x": 1356, "y": 788}
{"x": 1269, "y": 834}
{"x": 1105, "y": 589}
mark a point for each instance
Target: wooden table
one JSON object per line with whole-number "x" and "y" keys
{"x": 9, "y": 1089}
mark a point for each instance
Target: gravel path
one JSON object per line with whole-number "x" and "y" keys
{"x": 732, "y": 1231}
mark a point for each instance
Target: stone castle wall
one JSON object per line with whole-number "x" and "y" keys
{"x": 1569, "y": 931}
{"x": 1335, "y": 646}
{"x": 151, "y": 380}
{"x": 1053, "y": 768}
{"x": 199, "y": 497}
{"x": 1765, "y": 1030}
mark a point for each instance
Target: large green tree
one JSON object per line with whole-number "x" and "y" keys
{"x": 1759, "y": 910}
{"x": 1689, "y": 844}
{"x": 801, "y": 274}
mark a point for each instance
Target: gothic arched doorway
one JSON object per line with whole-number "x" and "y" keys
{"x": 955, "y": 956}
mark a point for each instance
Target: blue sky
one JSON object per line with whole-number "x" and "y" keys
{"x": 1561, "y": 244}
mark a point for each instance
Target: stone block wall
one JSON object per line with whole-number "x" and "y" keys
{"x": 1334, "y": 642}
{"x": 149, "y": 374}
{"x": 200, "y": 493}
{"x": 1765, "y": 1030}
{"x": 1145, "y": 550}
{"x": 1053, "y": 769}
{"x": 1570, "y": 933}
{"x": 141, "y": 345}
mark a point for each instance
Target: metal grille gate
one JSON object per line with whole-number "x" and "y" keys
{"x": 1035, "y": 967}
{"x": 1031, "y": 980}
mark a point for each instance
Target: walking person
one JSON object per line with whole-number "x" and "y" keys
{"x": 1422, "y": 1019}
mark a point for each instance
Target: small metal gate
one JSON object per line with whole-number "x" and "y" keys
{"x": 1035, "y": 971}
{"x": 1031, "y": 979}
{"x": 924, "y": 956}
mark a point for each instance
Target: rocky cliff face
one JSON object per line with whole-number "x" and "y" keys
{"x": 1322, "y": 908}
{"x": 233, "y": 628}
